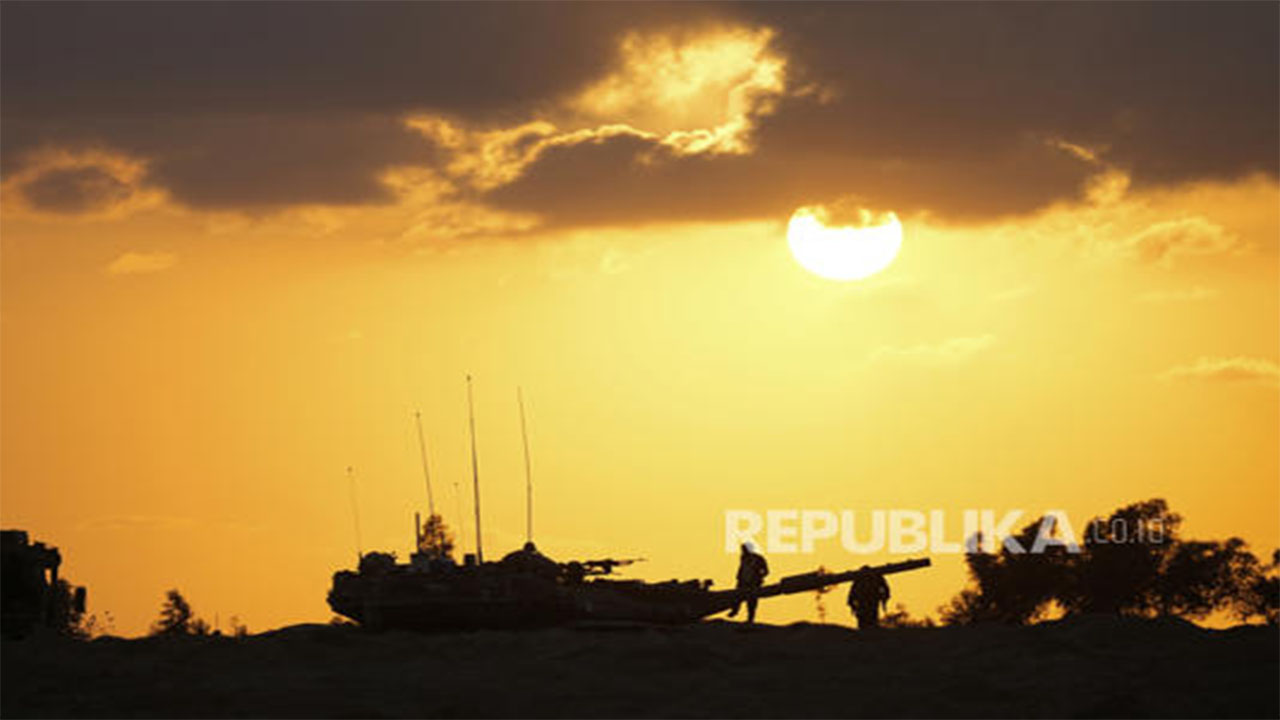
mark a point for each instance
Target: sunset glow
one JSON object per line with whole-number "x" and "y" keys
{"x": 229, "y": 273}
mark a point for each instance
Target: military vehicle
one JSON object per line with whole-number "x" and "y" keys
{"x": 526, "y": 588}
{"x": 31, "y": 593}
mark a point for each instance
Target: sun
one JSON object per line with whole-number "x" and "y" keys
{"x": 851, "y": 251}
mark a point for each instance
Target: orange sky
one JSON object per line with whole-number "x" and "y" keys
{"x": 183, "y": 386}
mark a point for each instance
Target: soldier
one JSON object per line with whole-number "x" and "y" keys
{"x": 867, "y": 594}
{"x": 528, "y": 560}
{"x": 752, "y": 569}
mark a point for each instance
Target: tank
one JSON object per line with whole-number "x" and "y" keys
{"x": 527, "y": 590}
{"x": 31, "y": 593}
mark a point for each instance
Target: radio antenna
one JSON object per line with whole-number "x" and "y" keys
{"x": 462, "y": 519}
{"x": 475, "y": 470}
{"x": 426, "y": 472}
{"x": 528, "y": 471}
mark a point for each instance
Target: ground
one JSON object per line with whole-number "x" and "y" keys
{"x": 1083, "y": 667}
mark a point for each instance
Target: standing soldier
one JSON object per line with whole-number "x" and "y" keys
{"x": 752, "y": 569}
{"x": 867, "y": 594}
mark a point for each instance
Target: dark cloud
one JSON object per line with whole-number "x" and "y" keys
{"x": 265, "y": 161}
{"x": 257, "y": 105}
{"x": 943, "y": 107}
{"x": 632, "y": 179}
{"x": 75, "y": 190}
{"x": 951, "y": 108}
{"x": 242, "y": 160}
{"x": 1175, "y": 91}
{"x": 476, "y": 59}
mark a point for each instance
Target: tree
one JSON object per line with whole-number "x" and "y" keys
{"x": 1132, "y": 562}
{"x": 1011, "y": 587}
{"x": 1122, "y": 560}
{"x": 176, "y": 617}
{"x": 436, "y": 539}
{"x": 1199, "y": 577}
{"x": 1262, "y": 599}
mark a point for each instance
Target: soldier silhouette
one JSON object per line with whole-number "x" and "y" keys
{"x": 752, "y": 569}
{"x": 529, "y": 560}
{"x": 867, "y": 594}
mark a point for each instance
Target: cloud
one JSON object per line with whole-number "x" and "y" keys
{"x": 674, "y": 95}
{"x": 700, "y": 92}
{"x": 915, "y": 131}
{"x": 164, "y": 524}
{"x": 141, "y": 263}
{"x": 133, "y": 523}
{"x": 1164, "y": 242}
{"x": 75, "y": 190}
{"x": 967, "y": 111}
{"x": 91, "y": 184}
{"x": 474, "y": 62}
{"x": 948, "y": 352}
{"x": 1200, "y": 224}
{"x": 1168, "y": 96}
{"x": 309, "y": 107}
{"x": 1014, "y": 129}
{"x": 1227, "y": 370}
{"x": 224, "y": 161}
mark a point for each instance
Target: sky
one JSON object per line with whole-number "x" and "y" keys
{"x": 242, "y": 244}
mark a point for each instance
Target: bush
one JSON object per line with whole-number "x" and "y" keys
{"x": 1130, "y": 563}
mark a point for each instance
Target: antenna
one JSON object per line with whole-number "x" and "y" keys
{"x": 426, "y": 472}
{"x": 462, "y": 519}
{"x": 528, "y": 471}
{"x": 475, "y": 470}
{"x": 355, "y": 512}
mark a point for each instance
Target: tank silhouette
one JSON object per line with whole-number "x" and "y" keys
{"x": 31, "y": 593}
{"x": 526, "y": 590}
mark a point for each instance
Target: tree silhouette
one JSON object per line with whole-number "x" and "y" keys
{"x": 1199, "y": 577}
{"x": 1124, "y": 557}
{"x": 1011, "y": 587}
{"x": 1262, "y": 598}
{"x": 1131, "y": 563}
{"x": 436, "y": 539}
{"x": 176, "y": 617}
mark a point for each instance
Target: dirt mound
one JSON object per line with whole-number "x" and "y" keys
{"x": 1083, "y": 667}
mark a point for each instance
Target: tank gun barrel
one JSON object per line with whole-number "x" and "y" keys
{"x": 818, "y": 579}
{"x": 720, "y": 600}
{"x": 605, "y": 566}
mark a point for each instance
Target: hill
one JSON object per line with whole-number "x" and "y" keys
{"x": 1082, "y": 667}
